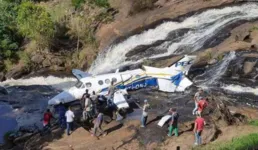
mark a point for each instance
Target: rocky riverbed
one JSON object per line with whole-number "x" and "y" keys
{"x": 226, "y": 68}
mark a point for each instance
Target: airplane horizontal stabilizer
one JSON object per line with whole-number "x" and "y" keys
{"x": 80, "y": 74}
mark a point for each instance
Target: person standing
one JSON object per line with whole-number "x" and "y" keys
{"x": 198, "y": 128}
{"x": 97, "y": 125}
{"x": 202, "y": 104}
{"x": 88, "y": 108}
{"x": 197, "y": 97}
{"x": 173, "y": 125}
{"x": 60, "y": 109}
{"x": 84, "y": 96}
{"x": 69, "y": 120}
{"x": 94, "y": 99}
{"x": 47, "y": 118}
{"x": 111, "y": 92}
{"x": 144, "y": 113}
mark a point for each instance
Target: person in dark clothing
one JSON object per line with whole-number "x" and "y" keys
{"x": 173, "y": 124}
{"x": 60, "y": 109}
{"x": 84, "y": 96}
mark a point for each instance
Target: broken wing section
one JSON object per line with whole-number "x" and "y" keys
{"x": 177, "y": 83}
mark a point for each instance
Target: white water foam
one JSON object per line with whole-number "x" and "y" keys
{"x": 56, "y": 82}
{"x": 240, "y": 89}
{"x": 203, "y": 26}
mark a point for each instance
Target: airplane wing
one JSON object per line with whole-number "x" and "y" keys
{"x": 80, "y": 74}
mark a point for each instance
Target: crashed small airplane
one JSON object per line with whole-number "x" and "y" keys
{"x": 169, "y": 79}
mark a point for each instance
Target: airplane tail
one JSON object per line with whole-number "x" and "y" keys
{"x": 184, "y": 64}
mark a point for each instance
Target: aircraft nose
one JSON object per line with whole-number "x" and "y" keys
{"x": 63, "y": 97}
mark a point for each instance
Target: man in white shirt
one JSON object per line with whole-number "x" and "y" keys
{"x": 69, "y": 120}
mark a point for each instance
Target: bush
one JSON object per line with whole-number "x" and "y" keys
{"x": 9, "y": 39}
{"x": 77, "y": 3}
{"x": 35, "y": 22}
{"x": 8, "y": 64}
{"x": 24, "y": 58}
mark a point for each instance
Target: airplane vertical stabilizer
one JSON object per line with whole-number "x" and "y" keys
{"x": 184, "y": 64}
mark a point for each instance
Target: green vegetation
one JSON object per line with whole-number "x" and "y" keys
{"x": 99, "y": 3}
{"x": 35, "y": 22}
{"x": 78, "y": 3}
{"x": 9, "y": 40}
{"x": 241, "y": 143}
{"x": 254, "y": 28}
{"x": 253, "y": 122}
{"x": 28, "y": 27}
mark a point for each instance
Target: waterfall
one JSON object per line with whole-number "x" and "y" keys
{"x": 201, "y": 28}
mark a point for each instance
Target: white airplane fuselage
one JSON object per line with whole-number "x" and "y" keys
{"x": 163, "y": 78}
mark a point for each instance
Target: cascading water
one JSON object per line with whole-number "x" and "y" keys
{"x": 201, "y": 28}
{"x": 29, "y": 96}
{"x": 56, "y": 82}
{"x": 211, "y": 76}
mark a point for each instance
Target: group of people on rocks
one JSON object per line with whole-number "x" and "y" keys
{"x": 200, "y": 104}
{"x": 90, "y": 111}
{"x": 89, "y": 103}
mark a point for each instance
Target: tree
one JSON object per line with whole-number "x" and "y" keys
{"x": 9, "y": 39}
{"x": 35, "y": 23}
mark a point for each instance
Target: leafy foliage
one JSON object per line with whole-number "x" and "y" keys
{"x": 77, "y": 3}
{"x": 35, "y": 22}
{"x": 9, "y": 39}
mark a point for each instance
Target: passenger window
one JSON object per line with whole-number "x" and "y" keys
{"x": 100, "y": 82}
{"x": 88, "y": 84}
{"x": 114, "y": 80}
{"x": 107, "y": 81}
{"x": 137, "y": 76}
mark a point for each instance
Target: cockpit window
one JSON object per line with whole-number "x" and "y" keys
{"x": 78, "y": 84}
{"x": 100, "y": 82}
{"x": 114, "y": 80}
{"x": 107, "y": 81}
{"x": 88, "y": 85}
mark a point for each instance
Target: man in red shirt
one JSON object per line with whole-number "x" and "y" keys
{"x": 47, "y": 117}
{"x": 198, "y": 128}
{"x": 202, "y": 104}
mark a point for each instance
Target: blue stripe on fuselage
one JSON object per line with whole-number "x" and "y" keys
{"x": 138, "y": 84}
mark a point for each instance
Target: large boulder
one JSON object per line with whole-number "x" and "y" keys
{"x": 46, "y": 63}
{"x": 37, "y": 58}
{"x": 57, "y": 61}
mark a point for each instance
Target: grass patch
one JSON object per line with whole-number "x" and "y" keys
{"x": 253, "y": 122}
{"x": 241, "y": 143}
